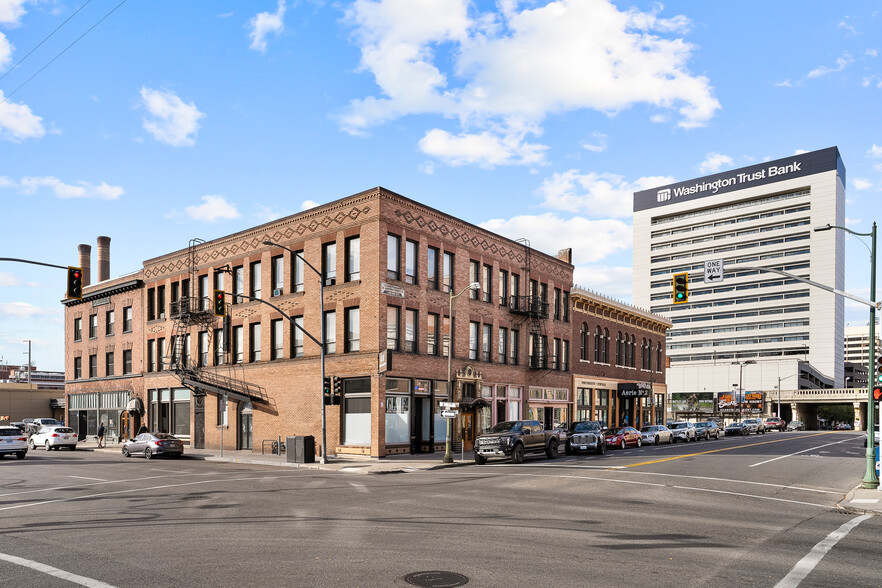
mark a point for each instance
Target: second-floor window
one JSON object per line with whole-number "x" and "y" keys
{"x": 203, "y": 349}
{"x": 331, "y": 332}
{"x": 278, "y": 275}
{"x": 502, "y": 347}
{"x": 78, "y": 368}
{"x": 329, "y": 263}
{"x": 353, "y": 259}
{"x": 127, "y": 319}
{"x": 353, "y": 329}
{"x": 108, "y": 323}
{"x": 432, "y": 334}
{"x": 127, "y": 361}
{"x": 78, "y": 329}
{"x": 473, "y": 340}
{"x": 513, "y": 347}
{"x": 276, "y": 339}
{"x": 254, "y": 343}
{"x": 410, "y": 330}
{"x": 108, "y": 363}
{"x": 485, "y": 342}
{"x": 393, "y": 315}
{"x": 297, "y": 337}
{"x": 238, "y": 341}
{"x": 410, "y": 261}
{"x": 151, "y": 355}
{"x": 93, "y": 366}
{"x": 93, "y": 326}
{"x": 432, "y": 267}
{"x": 393, "y": 257}
{"x": 255, "y": 280}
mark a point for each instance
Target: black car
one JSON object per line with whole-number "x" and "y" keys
{"x": 737, "y": 428}
{"x": 585, "y": 436}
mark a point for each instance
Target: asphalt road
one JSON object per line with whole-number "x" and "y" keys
{"x": 753, "y": 511}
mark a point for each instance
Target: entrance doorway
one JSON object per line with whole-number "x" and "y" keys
{"x": 468, "y": 431}
{"x": 246, "y": 426}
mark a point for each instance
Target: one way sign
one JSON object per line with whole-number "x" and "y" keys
{"x": 713, "y": 271}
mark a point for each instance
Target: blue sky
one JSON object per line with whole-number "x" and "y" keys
{"x": 171, "y": 120}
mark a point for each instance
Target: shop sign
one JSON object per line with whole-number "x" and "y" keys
{"x": 391, "y": 290}
{"x": 384, "y": 361}
{"x": 634, "y": 389}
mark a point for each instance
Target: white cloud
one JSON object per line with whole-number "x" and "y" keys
{"x": 307, "y": 204}
{"x": 11, "y": 12}
{"x": 21, "y": 309}
{"x": 714, "y": 162}
{"x": 593, "y": 193}
{"x": 871, "y": 53}
{"x": 17, "y": 122}
{"x": 173, "y": 121}
{"x": 266, "y": 214}
{"x": 265, "y": 23}
{"x": 785, "y": 84}
{"x": 875, "y": 151}
{"x": 7, "y": 279}
{"x": 225, "y": 15}
{"x": 212, "y": 208}
{"x": 79, "y": 189}
{"x": 862, "y": 184}
{"x": 841, "y": 63}
{"x": 513, "y": 68}
{"x": 591, "y": 240}
{"x": 843, "y": 24}
{"x": 5, "y": 51}
{"x": 871, "y": 80}
{"x": 598, "y": 145}
{"x": 613, "y": 282}
{"x": 851, "y": 222}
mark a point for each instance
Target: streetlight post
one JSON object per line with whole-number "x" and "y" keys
{"x": 448, "y": 456}
{"x": 871, "y": 480}
{"x": 28, "y": 341}
{"x": 741, "y": 365}
{"x": 324, "y": 455}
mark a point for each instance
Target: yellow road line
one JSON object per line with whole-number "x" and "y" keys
{"x": 634, "y": 465}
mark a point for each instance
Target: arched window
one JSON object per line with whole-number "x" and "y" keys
{"x": 619, "y": 349}
{"x": 583, "y": 341}
{"x": 606, "y": 346}
{"x": 598, "y": 345}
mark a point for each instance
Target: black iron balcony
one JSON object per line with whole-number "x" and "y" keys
{"x": 532, "y": 306}
{"x": 538, "y": 361}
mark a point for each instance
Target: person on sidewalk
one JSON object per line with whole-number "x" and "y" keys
{"x": 101, "y": 435}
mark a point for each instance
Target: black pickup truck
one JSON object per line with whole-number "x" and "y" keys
{"x": 514, "y": 439}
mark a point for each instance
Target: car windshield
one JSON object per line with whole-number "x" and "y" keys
{"x": 735, "y": 424}
{"x": 679, "y": 425}
{"x": 506, "y": 426}
{"x": 164, "y": 436}
{"x": 63, "y": 430}
{"x": 617, "y": 431}
{"x": 586, "y": 427}
{"x": 648, "y": 430}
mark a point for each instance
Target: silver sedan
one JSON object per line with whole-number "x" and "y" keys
{"x": 151, "y": 444}
{"x": 655, "y": 434}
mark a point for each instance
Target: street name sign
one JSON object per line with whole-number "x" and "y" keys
{"x": 449, "y": 414}
{"x": 449, "y": 404}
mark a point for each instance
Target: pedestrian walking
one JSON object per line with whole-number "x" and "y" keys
{"x": 101, "y": 435}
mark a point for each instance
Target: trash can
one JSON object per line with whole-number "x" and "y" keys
{"x": 300, "y": 449}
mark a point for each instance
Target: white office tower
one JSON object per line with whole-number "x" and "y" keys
{"x": 753, "y": 329}
{"x": 857, "y": 344}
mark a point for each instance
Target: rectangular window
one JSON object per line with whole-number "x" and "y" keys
{"x": 160, "y": 302}
{"x": 503, "y": 288}
{"x": 393, "y": 257}
{"x": 204, "y": 295}
{"x": 108, "y": 323}
{"x": 237, "y": 354}
{"x": 566, "y": 307}
{"x": 276, "y": 342}
{"x": 329, "y": 263}
{"x": 93, "y": 366}
{"x": 473, "y": 340}
{"x": 127, "y": 361}
{"x": 565, "y": 356}
{"x": 203, "y": 349}
{"x": 93, "y": 326}
{"x": 557, "y": 302}
{"x": 410, "y": 261}
{"x": 297, "y": 337}
{"x": 218, "y": 347}
{"x": 78, "y": 329}
{"x": 410, "y": 330}
{"x": 474, "y": 268}
{"x": 515, "y": 289}
{"x": 151, "y": 304}
{"x": 353, "y": 329}
{"x": 513, "y": 347}
{"x": 353, "y": 259}
{"x": 555, "y": 354}
{"x": 127, "y": 319}
{"x": 254, "y": 341}
{"x": 151, "y": 354}
{"x": 255, "y": 280}
{"x": 445, "y": 337}
{"x": 503, "y": 345}
{"x": 175, "y": 292}
{"x": 238, "y": 284}
{"x": 278, "y": 275}
{"x": 485, "y": 342}
{"x": 487, "y": 284}
{"x": 432, "y": 334}
{"x": 297, "y": 277}
{"x": 160, "y": 353}
{"x": 218, "y": 280}
{"x": 186, "y": 351}
{"x": 393, "y": 314}
{"x": 432, "y": 267}
{"x": 78, "y": 368}
{"x": 330, "y": 332}
{"x": 447, "y": 272}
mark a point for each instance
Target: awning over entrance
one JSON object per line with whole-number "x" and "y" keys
{"x": 135, "y": 405}
{"x": 469, "y": 403}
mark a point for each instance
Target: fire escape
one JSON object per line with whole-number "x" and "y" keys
{"x": 191, "y": 311}
{"x": 533, "y": 310}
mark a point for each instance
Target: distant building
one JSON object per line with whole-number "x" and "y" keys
{"x": 857, "y": 344}
{"x": 856, "y": 375}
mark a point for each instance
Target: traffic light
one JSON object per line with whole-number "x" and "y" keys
{"x": 326, "y": 389}
{"x": 879, "y": 368}
{"x": 220, "y": 306}
{"x": 681, "y": 288}
{"x": 75, "y": 283}
{"x": 877, "y": 393}
{"x": 338, "y": 390}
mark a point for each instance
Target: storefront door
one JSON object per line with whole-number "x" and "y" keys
{"x": 468, "y": 431}
{"x": 246, "y": 425}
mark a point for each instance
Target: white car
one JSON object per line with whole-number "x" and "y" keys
{"x": 13, "y": 440}
{"x": 655, "y": 434}
{"x": 683, "y": 431}
{"x": 53, "y": 437}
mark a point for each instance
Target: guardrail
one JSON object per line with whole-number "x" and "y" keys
{"x": 819, "y": 395}
{"x": 276, "y": 446}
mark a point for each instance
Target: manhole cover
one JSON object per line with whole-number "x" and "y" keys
{"x": 436, "y": 579}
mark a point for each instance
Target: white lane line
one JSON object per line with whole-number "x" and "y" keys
{"x": 85, "y": 478}
{"x": 797, "y": 453}
{"x": 359, "y": 487}
{"x": 804, "y": 567}
{"x": 865, "y": 501}
{"x": 35, "y": 565}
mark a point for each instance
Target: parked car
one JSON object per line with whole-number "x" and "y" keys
{"x": 683, "y": 431}
{"x": 775, "y": 423}
{"x": 585, "y": 436}
{"x": 842, "y": 427}
{"x": 514, "y": 439}
{"x": 796, "y": 426}
{"x": 621, "y": 437}
{"x": 755, "y": 426}
{"x": 33, "y": 425}
{"x": 13, "y": 441}
{"x": 876, "y": 436}
{"x": 153, "y": 444}
{"x": 707, "y": 429}
{"x": 53, "y": 437}
{"x": 737, "y": 428}
{"x": 655, "y": 434}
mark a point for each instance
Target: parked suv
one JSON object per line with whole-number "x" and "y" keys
{"x": 515, "y": 438}
{"x": 755, "y": 425}
{"x": 775, "y": 423}
{"x": 683, "y": 431}
{"x": 584, "y": 436}
{"x": 13, "y": 440}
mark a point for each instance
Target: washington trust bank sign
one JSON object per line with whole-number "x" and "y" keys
{"x": 788, "y": 168}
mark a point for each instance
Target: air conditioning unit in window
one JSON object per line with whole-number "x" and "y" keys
{"x": 277, "y": 292}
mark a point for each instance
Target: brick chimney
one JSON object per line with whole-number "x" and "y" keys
{"x": 563, "y": 255}
{"x": 85, "y": 262}
{"x": 103, "y": 258}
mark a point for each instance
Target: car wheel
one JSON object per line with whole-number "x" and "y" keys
{"x": 125, "y": 451}
{"x": 48, "y": 447}
{"x": 517, "y": 454}
{"x": 568, "y": 449}
{"x": 31, "y": 443}
{"x": 480, "y": 459}
{"x": 639, "y": 442}
{"x": 670, "y": 439}
{"x": 21, "y": 454}
{"x": 551, "y": 450}
{"x": 601, "y": 448}
{"x": 718, "y": 436}
{"x": 656, "y": 440}
{"x": 622, "y": 445}
{"x": 72, "y": 447}
{"x": 147, "y": 453}
{"x": 707, "y": 436}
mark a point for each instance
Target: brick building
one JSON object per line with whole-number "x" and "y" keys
{"x": 391, "y": 270}
{"x": 619, "y": 371}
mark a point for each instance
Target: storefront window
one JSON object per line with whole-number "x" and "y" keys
{"x": 440, "y": 422}
{"x": 357, "y": 411}
{"x": 486, "y": 391}
{"x": 397, "y": 410}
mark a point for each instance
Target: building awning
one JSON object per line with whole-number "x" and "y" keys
{"x": 135, "y": 405}
{"x": 469, "y": 403}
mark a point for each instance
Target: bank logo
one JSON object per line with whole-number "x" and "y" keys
{"x": 664, "y": 195}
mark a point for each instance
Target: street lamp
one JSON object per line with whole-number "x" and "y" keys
{"x": 871, "y": 480}
{"x": 324, "y": 455}
{"x": 448, "y": 456}
{"x": 780, "y": 379}
{"x": 741, "y": 365}
{"x": 28, "y": 341}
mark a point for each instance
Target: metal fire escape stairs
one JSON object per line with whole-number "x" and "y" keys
{"x": 191, "y": 311}
{"x": 534, "y": 313}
